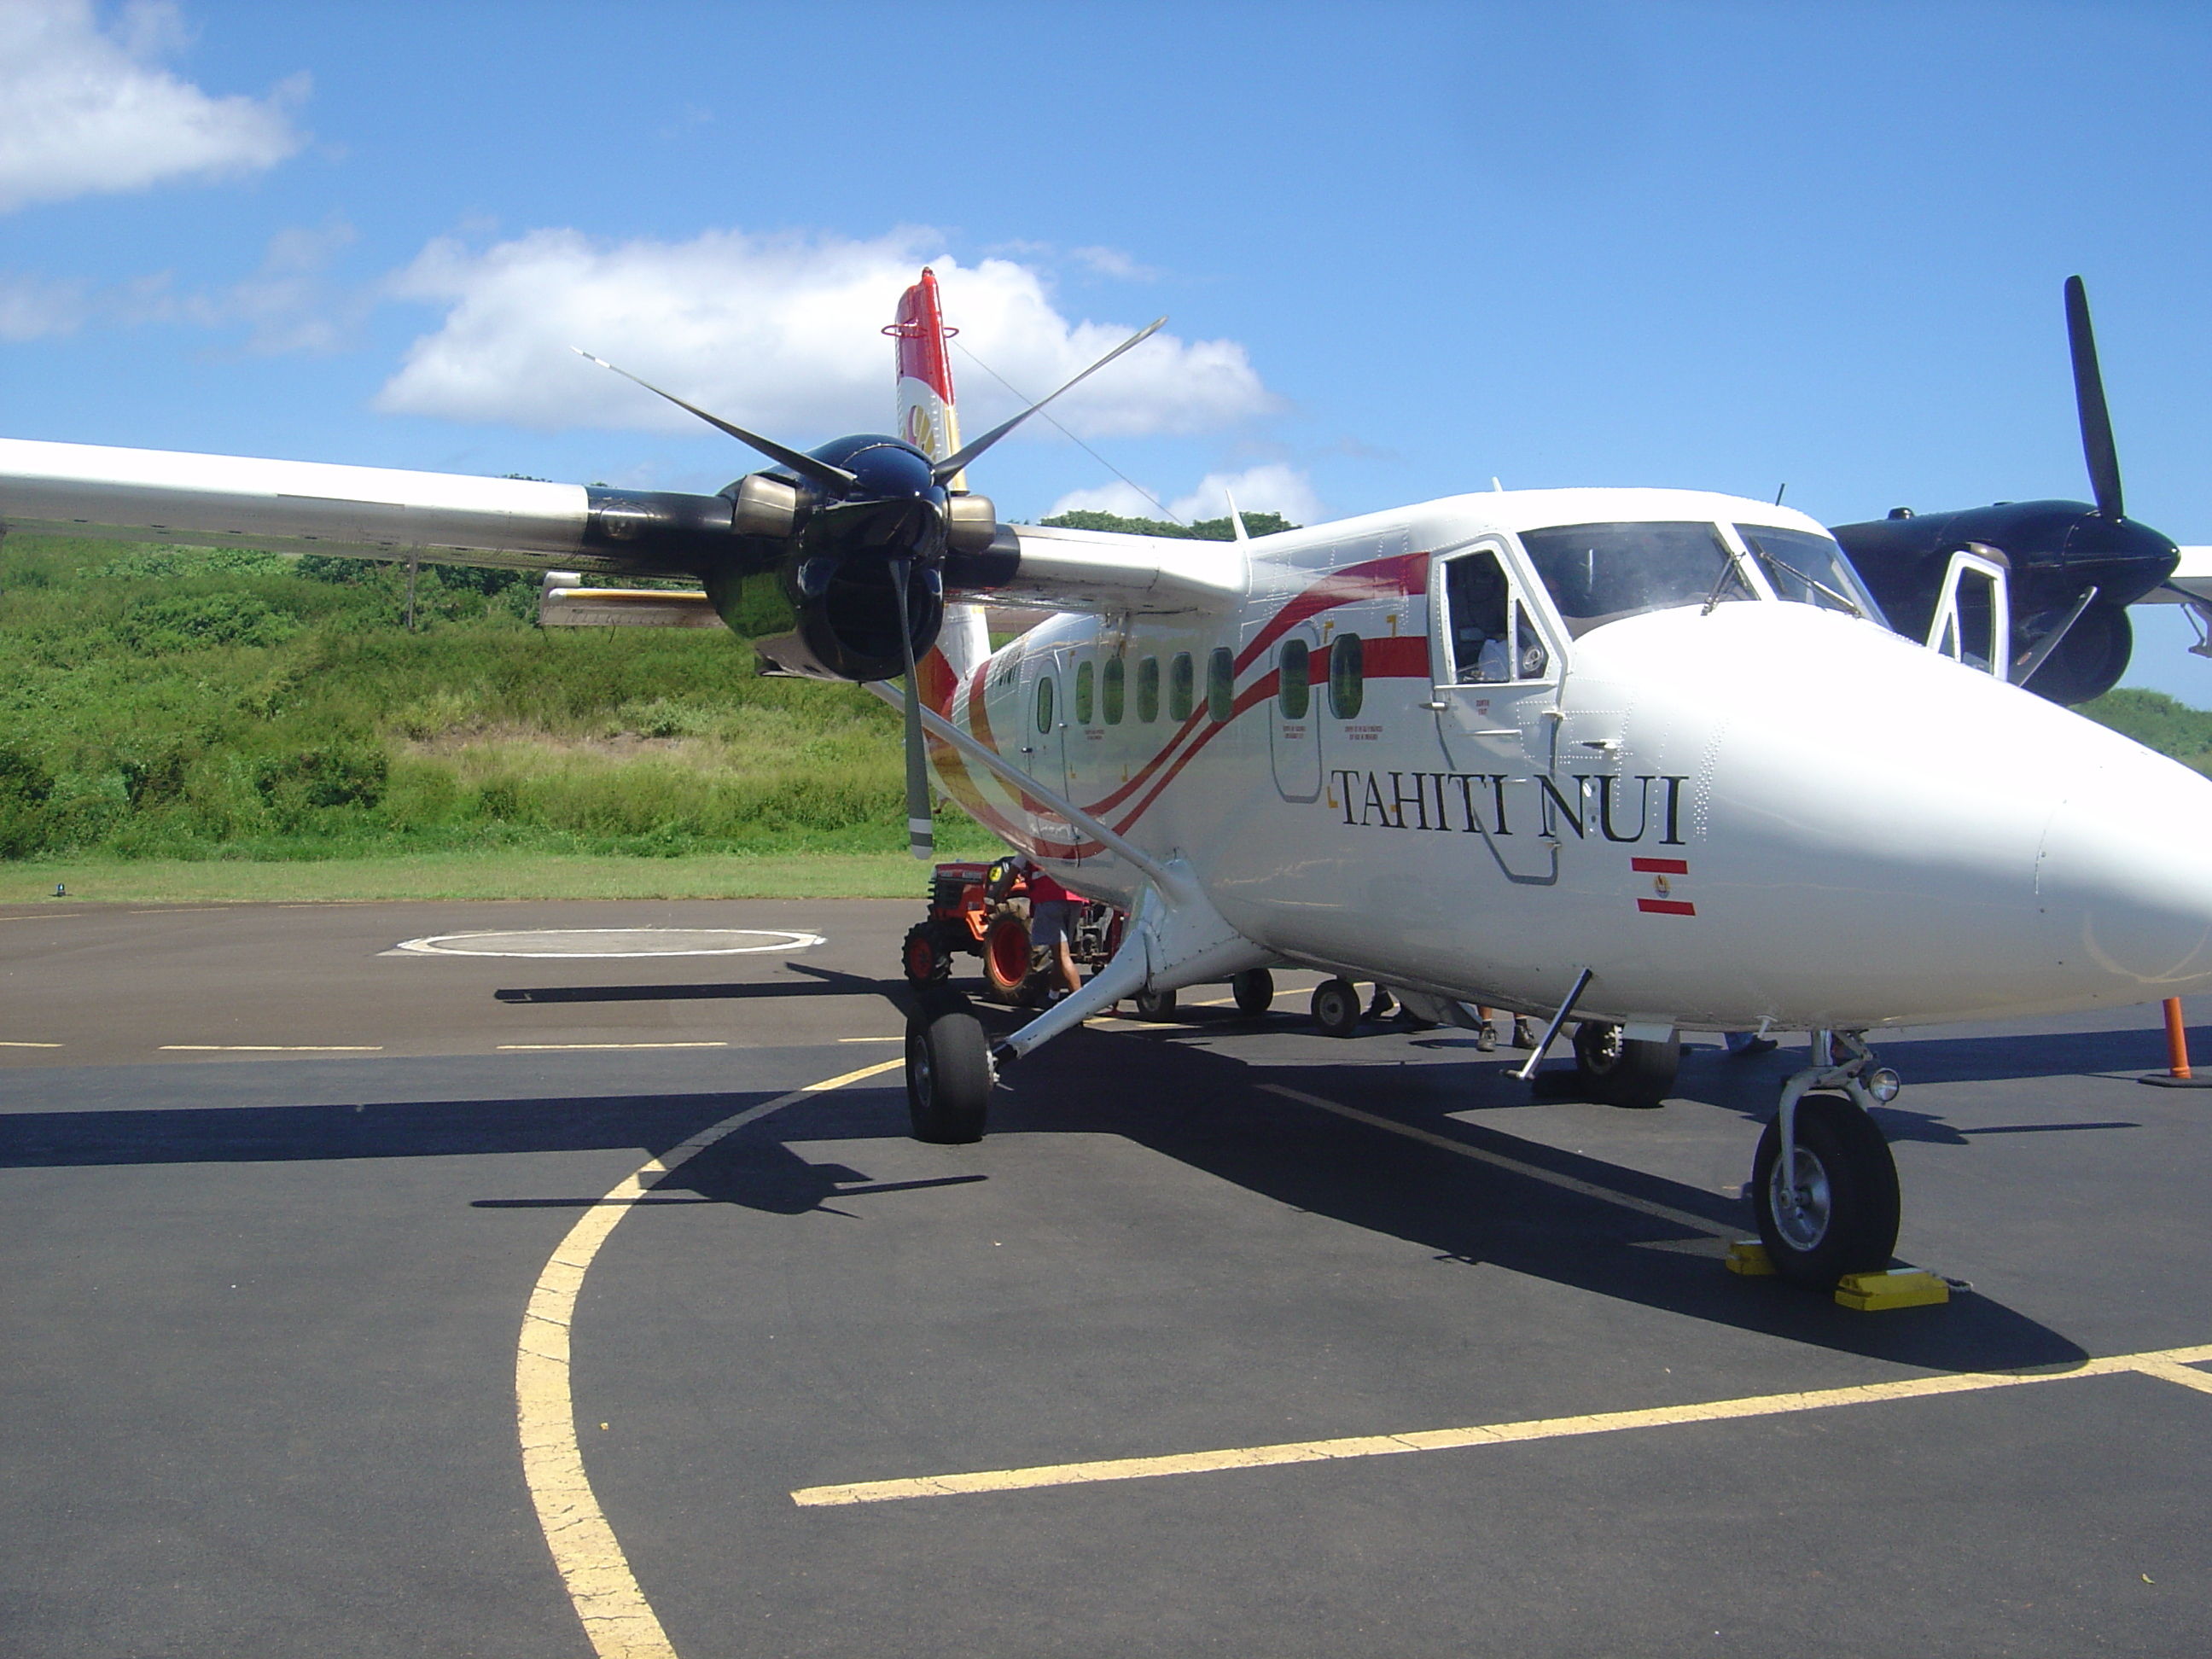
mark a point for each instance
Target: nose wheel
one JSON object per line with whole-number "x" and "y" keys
{"x": 1835, "y": 1209}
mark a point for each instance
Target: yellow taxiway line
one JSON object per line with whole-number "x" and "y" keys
{"x": 2171, "y": 1364}
{"x": 615, "y": 1616}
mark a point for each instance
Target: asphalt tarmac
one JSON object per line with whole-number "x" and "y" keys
{"x": 278, "y": 1193}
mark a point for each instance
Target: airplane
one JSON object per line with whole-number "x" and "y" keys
{"x": 1643, "y": 760}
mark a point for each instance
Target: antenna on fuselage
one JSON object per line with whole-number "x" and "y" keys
{"x": 1495, "y": 485}
{"x": 1777, "y": 494}
{"x": 1236, "y": 518}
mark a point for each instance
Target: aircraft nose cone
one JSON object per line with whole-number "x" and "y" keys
{"x": 2123, "y": 877}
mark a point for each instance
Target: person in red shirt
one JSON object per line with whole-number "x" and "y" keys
{"x": 1052, "y": 907}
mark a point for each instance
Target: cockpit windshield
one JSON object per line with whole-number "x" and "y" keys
{"x": 1600, "y": 572}
{"x": 1808, "y": 570}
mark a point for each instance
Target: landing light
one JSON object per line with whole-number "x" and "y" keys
{"x": 1884, "y": 1085}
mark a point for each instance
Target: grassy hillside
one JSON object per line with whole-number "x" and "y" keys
{"x": 2157, "y": 722}
{"x": 188, "y": 703}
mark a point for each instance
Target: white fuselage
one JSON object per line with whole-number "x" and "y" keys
{"x": 1730, "y": 813}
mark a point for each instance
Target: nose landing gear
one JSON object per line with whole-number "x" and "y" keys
{"x": 1823, "y": 1184}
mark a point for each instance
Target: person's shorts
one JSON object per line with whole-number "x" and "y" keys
{"x": 1048, "y": 923}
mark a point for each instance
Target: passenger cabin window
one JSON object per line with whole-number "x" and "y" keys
{"x": 1111, "y": 691}
{"x": 1293, "y": 680}
{"x": 1182, "y": 686}
{"x": 1085, "y": 693}
{"x": 1601, "y": 573}
{"x": 1808, "y": 570}
{"x": 1148, "y": 689}
{"x": 1044, "y": 702}
{"x": 1221, "y": 684}
{"x": 1347, "y": 676}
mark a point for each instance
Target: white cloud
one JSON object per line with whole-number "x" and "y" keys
{"x": 1112, "y": 262}
{"x": 778, "y": 333}
{"x": 85, "y": 110}
{"x": 1274, "y": 488}
{"x": 1124, "y": 501}
{"x": 32, "y": 307}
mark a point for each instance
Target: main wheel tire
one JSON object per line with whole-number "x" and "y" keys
{"x": 1006, "y": 956}
{"x": 1254, "y": 990}
{"x": 948, "y": 1072}
{"x": 923, "y": 956}
{"x": 1845, "y": 1219}
{"x": 1619, "y": 1070}
{"x": 1336, "y": 1008}
{"x": 1156, "y": 1005}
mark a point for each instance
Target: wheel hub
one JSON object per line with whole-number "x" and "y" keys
{"x": 1801, "y": 1210}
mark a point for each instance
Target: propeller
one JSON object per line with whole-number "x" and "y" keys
{"x": 831, "y": 478}
{"x": 897, "y": 514}
{"x": 2089, "y": 399}
{"x": 951, "y": 467}
{"x": 921, "y": 831}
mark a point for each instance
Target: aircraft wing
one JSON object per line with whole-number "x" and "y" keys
{"x": 2192, "y": 578}
{"x": 359, "y": 511}
{"x": 444, "y": 518}
{"x": 1098, "y": 571}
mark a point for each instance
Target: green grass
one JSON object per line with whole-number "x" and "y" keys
{"x": 185, "y": 705}
{"x": 2157, "y": 722}
{"x": 495, "y": 875}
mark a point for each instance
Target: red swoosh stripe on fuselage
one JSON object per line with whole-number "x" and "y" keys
{"x": 1400, "y": 576}
{"x": 1395, "y": 657}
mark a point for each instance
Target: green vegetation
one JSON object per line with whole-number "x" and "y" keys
{"x": 191, "y": 704}
{"x": 1204, "y": 529}
{"x": 2157, "y": 722}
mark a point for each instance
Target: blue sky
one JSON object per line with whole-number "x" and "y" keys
{"x": 1403, "y": 249}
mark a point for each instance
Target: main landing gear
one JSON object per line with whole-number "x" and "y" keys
{"x": 1823, "y": 1185}
{"x": 1618, "y": 1071}
{"x": 949, "y": 1074}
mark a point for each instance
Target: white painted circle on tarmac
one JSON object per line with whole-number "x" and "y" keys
{"x": 614, "y": 942}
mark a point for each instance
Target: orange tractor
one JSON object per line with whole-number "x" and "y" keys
{"x": 983, "y": 910}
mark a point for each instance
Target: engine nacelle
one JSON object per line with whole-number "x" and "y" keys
{"x": 831, "y": 616}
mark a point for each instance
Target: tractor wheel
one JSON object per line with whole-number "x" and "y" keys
{"x": 923, "y": 956}
{"x": 1336, "y": 1008}
{"x": 1618, "y": 1072}
{"x": 1844, "y": 1219}
{"x": 948, "y": 1071}
{"x": 1006, "y": 956}
{"x": 1254, "y": 990}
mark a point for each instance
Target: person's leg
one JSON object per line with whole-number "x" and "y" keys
{"x": 1486, "y": 1034}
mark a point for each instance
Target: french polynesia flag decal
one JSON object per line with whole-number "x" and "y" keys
{"x": 1659, "y": 869}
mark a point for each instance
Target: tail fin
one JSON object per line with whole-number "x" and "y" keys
{"x": 928, "y": 419}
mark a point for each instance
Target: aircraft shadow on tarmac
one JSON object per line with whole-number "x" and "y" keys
{"x": 1210, "y": 1113}
{"x": 1202, "y": 1108}
{"x": 820, "y": 982}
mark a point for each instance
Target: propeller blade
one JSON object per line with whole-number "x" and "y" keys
{"x": 830, "y": 477}
{"x": 921, "y": 831}
{"x": 951, "y": 464}
{"x": 2089, "y": 399}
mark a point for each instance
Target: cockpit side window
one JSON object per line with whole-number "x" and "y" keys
{"x": 1475, "y": 603}
{"x": 1490, "y": 635}
{"x": 1601, "y": 573}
